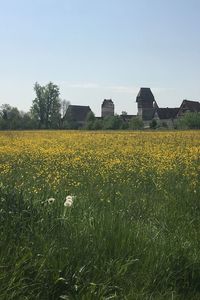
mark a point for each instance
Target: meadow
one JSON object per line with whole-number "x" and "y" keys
{"x": 131, "y": 229}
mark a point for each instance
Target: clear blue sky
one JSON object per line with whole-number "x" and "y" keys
{"x": 96, "y": 49}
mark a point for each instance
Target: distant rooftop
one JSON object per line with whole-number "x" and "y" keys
{"x": 77, "y": 112}
{"x": 167, "y": 113}
{"x": 191, "y": 105}
{"x": 107, "y": 101}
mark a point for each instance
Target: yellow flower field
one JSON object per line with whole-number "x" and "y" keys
{"x": 54, "y": 160}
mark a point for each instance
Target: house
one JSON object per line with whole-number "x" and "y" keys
{"x": 166, "y": 116}
{"x": 77, "y": 114}
{"x": 188, "y": 106}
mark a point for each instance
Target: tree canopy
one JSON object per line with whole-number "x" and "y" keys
{"x": 46, "y": 106}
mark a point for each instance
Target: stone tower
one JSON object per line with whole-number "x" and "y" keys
{"x": 107, "y": 108}
{"x": 145, "y": 101}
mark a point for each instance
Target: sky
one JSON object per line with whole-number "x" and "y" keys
{"x": 100, "y": 49}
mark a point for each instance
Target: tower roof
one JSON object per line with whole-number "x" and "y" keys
{"x": 145, "y": 94}
{"x": 107, "y": 101}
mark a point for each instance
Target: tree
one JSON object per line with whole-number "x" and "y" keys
{"x": 90, "y": 120}
{"x": 98, "y": 124}
{"x": 27, "y": 122}
{"x": 153, "y": 124}
{"x": 46, "y": 106}
{"x": 190, "y": 120}
{"x": 136, "y": 123}
{"x": 112, "y": 122}
{"x": 124, "y": 113}
{"x": 10, "y": 117}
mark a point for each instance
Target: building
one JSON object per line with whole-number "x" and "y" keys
{"x": 188, "y": 106}
{"x": 149, "y": 110}
{"x": 107, "y": 108}
{"x": 166, "y": 116}
{"x": 77, "y": 114}
{"x": 146, "y": 103}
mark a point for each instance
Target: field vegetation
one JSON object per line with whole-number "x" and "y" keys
{"x": 129, "y": 228}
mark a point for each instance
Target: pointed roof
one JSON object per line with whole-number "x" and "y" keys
{"x": 145, "y": 94}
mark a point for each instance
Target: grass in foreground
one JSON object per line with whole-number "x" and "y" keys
{"x": 132, "y": 231}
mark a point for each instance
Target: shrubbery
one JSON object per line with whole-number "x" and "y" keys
{"x": 190, "y": 121}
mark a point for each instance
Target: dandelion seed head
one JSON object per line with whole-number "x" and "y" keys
{"x": 69, "y": 198}
{"x": 68, "y": 201}
{"x": 51, "y": 200}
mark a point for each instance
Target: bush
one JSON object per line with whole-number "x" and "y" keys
{"x": 112, "y": 122}
{"x": 190, "y": 121}
{"x": 90, "y": 119}
{"x": 136, "y": 123}
{"x": 153, "y": 124}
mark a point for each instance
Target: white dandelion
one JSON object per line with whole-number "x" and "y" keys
{"x": 51, "y": 200}
{"x": 68, "y": 201}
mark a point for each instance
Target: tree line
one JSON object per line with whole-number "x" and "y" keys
{"x": 48, "y": 112}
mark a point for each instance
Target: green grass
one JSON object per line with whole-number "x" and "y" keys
{"x": 120, "y": 243}
{"x": 132, "y": 231}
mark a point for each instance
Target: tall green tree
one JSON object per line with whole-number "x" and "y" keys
{"x": 47, "y": 105}
{"x": 10, "y": 117}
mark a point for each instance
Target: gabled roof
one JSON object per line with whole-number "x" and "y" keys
{"x": 167, "y": 113}
{"x": 77, "y": 112}
{"x": 145, "y": 94}
{"x": 190, "y": 105}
